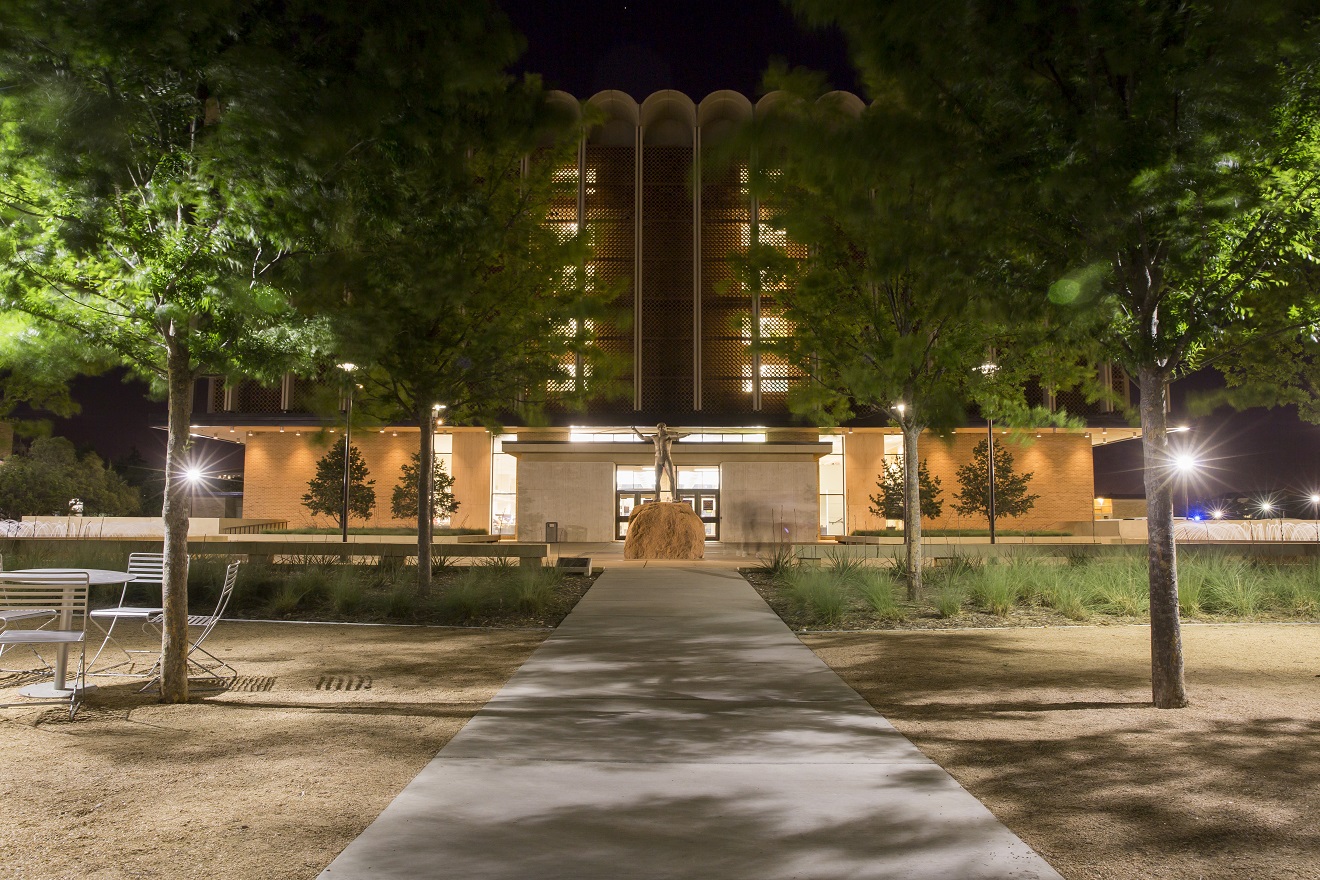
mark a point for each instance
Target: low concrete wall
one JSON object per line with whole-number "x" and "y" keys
{"x": 137, "y": 526}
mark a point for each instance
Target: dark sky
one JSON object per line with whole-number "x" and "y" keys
{"x": 699, "y": 47}
{"x": 695, "y": 47}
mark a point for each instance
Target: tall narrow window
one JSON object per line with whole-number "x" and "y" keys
{"x": 444, "y": 457}
{"x": 832, "y": 521}
{"x": 503, "y": 487}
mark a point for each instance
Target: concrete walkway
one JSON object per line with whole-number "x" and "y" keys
{"x": 673, "y": 727}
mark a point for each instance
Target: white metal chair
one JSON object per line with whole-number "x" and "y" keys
{"x": 205, "y": 623}
{"x": 146, "y": 568}
{"x": 63, "y": 594}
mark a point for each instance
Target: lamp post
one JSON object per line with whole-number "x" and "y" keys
{"x": 1315, "y": 514}
{"x": 1186, "y": 464}
{"x": 990, "y": 473}
{"x": 989, "y": 368}
{"x": 348, "y": 369}
{"x": 193, "y": 476}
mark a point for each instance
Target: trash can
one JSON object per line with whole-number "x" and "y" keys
{"x": 552, "y": 533}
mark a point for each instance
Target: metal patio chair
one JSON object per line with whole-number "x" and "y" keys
{"x": 204, "y": 623}
{"x": 146, "y": 568}
{"x": 62, "y": 594}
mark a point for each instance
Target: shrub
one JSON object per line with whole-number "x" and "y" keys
{"x": 533, "y": 591}
{"x": 996, "y": 589}
{"x": 949, "y": 600}
{"x": 878, "y": 590}
{"x": 816, "y": 592}
{"x": 778, "y": 562}
{"x": 1193, "y": 578}
{"x": 845, "y": 569}
{"x": 1235, "y": 586}
{"x": 1121, "y": 586}
{"x": 1295, "y": 590}
{"x": 1064, "y": 591}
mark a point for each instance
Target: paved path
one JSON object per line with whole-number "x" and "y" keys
{"x": 673, "y": 727}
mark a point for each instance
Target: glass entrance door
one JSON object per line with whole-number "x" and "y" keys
{"x": 706, "y": 502}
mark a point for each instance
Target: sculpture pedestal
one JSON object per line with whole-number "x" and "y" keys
{"x": 665, "y": 530}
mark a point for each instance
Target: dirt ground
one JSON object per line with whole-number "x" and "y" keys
{"x": 1052, "y": 729}
{"x": 269, "y": 780}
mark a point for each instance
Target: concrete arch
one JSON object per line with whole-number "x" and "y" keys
{"x": 720, "y": 113}
{"x": 845, "y": 101}
{"x": 668, "y": 118}
{"x": 621, "y": 118}
{"x": 562, "y": 100}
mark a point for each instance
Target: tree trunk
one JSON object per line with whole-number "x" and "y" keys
{"x": 1166, "y": 656}
{"x": 425, "y": 466}
{"x": 912, "y": 510}
{"x": 174, "y": 584}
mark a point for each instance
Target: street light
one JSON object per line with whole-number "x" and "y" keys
{"x": 1315, "y": 514}
{"x": 989, "y": 368}
{"x": 348, "y": 369}
{"x": 1186, "y": 464}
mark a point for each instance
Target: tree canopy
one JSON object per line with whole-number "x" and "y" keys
{"x": 325, "y": 490}
{"x": 1011, "y": 496}
{"x": 1160, "y": 159}
{"x": 44, "y": 480}
{"x": 878, "y": 257}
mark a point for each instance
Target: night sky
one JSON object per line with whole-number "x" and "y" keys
{"x": 698, "y": 48}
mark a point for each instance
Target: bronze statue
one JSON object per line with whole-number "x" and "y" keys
{"x": 663, "y": 438}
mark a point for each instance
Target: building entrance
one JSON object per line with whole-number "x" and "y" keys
{"x": 706, "y": 502}
{"x": 698, "y": 486}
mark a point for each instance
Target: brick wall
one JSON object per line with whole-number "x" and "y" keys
{"x": 1061, "y": 465}
{"x": 277, "y": 467}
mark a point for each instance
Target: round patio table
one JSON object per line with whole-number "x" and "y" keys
{"x": 57, "y": 686}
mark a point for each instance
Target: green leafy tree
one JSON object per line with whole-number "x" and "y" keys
{"x": 888, "y": 503}
{"x": 1011, "y": 496}
{"x": 43, "y": 481}
{"x": 403, "y": 502}
{"x": 1166, "y": 157}
{"x": 875, "y": 261}
{"x": 127, "y": 216}
{"x": 325, "y": 490}
{"x": 442, "y": 272}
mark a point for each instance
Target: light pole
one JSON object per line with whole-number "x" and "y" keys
{"x": 1186, "y": 464}
{"x": 990, "y": 472}
{"x": 1315, "y": 514}
{"x": 989, "y": 368}
{"x": 348, "y": 369}
{"x": 193, "y": 476}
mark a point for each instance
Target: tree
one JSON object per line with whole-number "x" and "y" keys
{"x": 44, "y": 480}
{"x": 325, "y": 490}
{"x": 128, "y": 216}
{"x": 403, "y": 502}
{"x": 892, "y": 306}
{"x": 1166, "y": 154}
{"x": 1011, "y": 497}
{"x": 889, "y": 502}
{"x": 441, "y": 271}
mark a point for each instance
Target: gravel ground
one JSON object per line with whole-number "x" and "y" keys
{"x": 267, "y": 781}
{"x": 1052, "y": 728}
